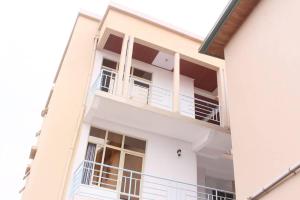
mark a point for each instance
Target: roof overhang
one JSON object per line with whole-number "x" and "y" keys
{"x": 229, "y": 22}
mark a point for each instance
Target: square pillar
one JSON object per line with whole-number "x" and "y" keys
{"x": 176, "y": 83}
{"x": 122, "y": 66}
{"x": 224, "y": 117}
{"x": 128, "y": 66}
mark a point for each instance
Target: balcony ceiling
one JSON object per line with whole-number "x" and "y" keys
{"x": 204, "y": 78}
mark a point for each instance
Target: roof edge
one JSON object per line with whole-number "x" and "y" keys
{"x": 136, "y": 14}
{"x": 90, "y": 15}
{"x": 227, "y": 11}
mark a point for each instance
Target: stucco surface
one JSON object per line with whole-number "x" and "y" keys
{"x": 262, "y": 65}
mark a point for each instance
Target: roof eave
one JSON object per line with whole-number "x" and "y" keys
{"x": 212, "y": 34}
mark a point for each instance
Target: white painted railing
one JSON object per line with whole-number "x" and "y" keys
{"x": 106, "y": 81}
{"x": 131, "y": 185}
{"x": 199, "y": 109}
{"x": 147, "y": 93}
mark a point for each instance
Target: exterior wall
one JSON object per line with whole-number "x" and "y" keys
{"x": 50, "y": 167}
{"x": 53, "y": 163}
{"x": 262, "y": 64}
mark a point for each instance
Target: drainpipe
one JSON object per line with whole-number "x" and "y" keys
{"x": 292, "y": 171}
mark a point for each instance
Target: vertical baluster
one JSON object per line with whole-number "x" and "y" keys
{"x": 134, "y": 191}
{"x": 124, "y": 187}
{"x": 130, "y": 180}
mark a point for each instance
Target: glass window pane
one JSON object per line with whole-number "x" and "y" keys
{"x": 142, "y": 74}
{"x": 97, "y": 166}
{"x": 96, "y": 132}
{"x": 133, "y": 163}
{"x": 110, "y": 174}
{"x": 114, "y": 139}
{"x": 135, "y": 144}
{"x": 109, "y": 63}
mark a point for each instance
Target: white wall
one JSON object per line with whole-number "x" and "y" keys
{"x": 203, "y": 178}
{"x": 160, "y": 158}
{"x": 162, "y": 81}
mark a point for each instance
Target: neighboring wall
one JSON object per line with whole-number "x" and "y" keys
{"x": 60, "y": 127}
{"x": 263, "y": 68}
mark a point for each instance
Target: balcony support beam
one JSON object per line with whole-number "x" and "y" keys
{"x": 176, "y": 83}
{"x": 128, "y": 66}
{"x": 122, "y": 65}
{"x": 224, "y": 120}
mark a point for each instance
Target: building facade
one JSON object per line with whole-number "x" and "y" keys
{"x": 135, "y": 113}
{"x": 258, "y": 40}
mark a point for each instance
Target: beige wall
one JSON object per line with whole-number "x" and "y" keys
{"x": 60, "y": 126}
{"x": 263, "y": 70}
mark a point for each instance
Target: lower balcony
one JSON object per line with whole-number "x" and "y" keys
{"x": 98, "y": 181}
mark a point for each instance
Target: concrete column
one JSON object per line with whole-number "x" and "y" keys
{"x": 176, "y": 82}
{"x": 128, "y": 66}
{"x": 122, "y": 66}
{"x": 224, "y": 120}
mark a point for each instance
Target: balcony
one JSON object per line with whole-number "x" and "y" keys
{"x": 146, "y": 93}
{"x": 145, "y": 87}
{"x": 100, "y": 181}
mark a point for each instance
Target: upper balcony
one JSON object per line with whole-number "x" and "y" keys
{"x": 148, "y": 87}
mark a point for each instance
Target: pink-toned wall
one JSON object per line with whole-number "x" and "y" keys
{"x": 50, "y": 167}
{"x": 263, "y": 74}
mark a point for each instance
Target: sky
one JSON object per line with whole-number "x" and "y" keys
{"x": 33, "y": 36}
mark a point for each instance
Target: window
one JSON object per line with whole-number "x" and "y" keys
{"x": 107, "y": 154}
{"x": 140, "y": 85}
{"x": 134, "y": 144}
{"x": 109, "y": 63}
{"x": 220, "y": 195}
{"x": 108, "y": 75}
{"x": 141, "y": 74}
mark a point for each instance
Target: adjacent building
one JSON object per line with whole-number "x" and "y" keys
{"x": 135, "y": 113}
{"x": 259, "y": 41}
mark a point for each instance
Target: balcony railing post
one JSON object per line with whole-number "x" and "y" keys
{"x": 176, "y": 82}
{"x": 128, "y": 66}
{"x": 130, "y": 184}
{"x": 122, "y": 65}
{"x": 224, "y": 120}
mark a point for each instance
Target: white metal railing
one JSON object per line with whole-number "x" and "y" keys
{"x": 132, "y": 185}
{"x": 199, "y": 109}
{"x": 106, "y": 81}
{"x": 146, "y": 92}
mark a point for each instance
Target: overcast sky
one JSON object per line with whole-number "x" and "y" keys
{"x": 33, "y": 36}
